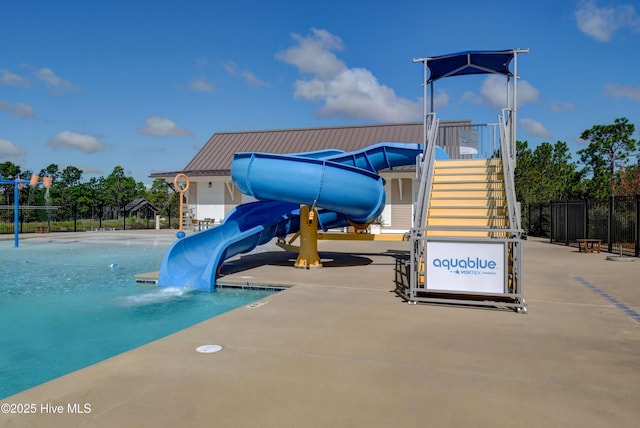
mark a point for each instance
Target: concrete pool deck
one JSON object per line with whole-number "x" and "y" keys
{"x": 341, "y": 349}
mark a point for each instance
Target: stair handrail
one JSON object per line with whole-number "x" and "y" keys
{"x": 424, "y": 170}
{"x": 507, "y": 155}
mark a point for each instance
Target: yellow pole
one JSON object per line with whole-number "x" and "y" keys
{"x": 308, "y": 256}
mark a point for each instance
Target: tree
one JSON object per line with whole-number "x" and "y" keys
{"x": 51, "y": 171}
{"x": 119, "y": 189}
{"x": 546, "y": 173}
{"x": 67, "y": 191}
{"x": 608, "y": 151}
{"x": 160, "y": 194}
{"x": 9, "y": 171}
{"x": 628, "y": 182}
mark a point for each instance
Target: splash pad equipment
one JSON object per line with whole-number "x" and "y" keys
{"x": 181, "y": 182}
{"x": 34, "y": 181}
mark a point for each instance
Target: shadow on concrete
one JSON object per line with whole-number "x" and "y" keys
{"x": 283, "y": 258}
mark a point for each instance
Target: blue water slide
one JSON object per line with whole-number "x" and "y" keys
{"x": 342, "y": 185}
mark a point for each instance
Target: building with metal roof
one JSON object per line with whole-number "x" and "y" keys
{"x": 212, "y": 194}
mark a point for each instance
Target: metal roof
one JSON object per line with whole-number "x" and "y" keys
{"x": 138, "y": 204}
{"x": 215, "y": 156}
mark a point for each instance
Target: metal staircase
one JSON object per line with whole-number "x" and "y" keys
{"x": 466, "y": 241}
{"x": 467, "y": 198}
{"x": 467, "y": 222}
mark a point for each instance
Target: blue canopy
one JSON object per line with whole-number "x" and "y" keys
{"x": 470, "y": 62}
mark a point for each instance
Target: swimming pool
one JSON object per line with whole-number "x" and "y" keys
{"x": 67, "y": 304}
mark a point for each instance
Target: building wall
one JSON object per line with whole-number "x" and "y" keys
{"x": 210, "y": 200}
{"x": 216, "y": 201}
{"x": 397, "y": 216}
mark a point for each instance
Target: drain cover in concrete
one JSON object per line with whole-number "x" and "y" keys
{"x": 208, "y": 349}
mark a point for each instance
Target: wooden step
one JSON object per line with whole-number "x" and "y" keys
{"x": 465, "y": 178}
{"x": 468, "y": 171}
{"x": 467, "y": 221}
{"x": 466, "y": 233}
{"x": 467, "y": 163}
{"x": 476, "y": 185}
{"x": 457, "y": 195}
{"x": 469, "y": 202}
{"x": 467, "y": 198}
{"x": 449, "y": 211}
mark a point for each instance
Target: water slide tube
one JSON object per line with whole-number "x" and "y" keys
{"x": 342, "y": 185}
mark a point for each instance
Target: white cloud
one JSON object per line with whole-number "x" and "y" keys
{"x": 75, "y": 140}
{"x": 10, "y": 79}
{"x": 19, "y": 109}
{"x": 162, "y": 127}
{"x": 23, "y": 110}
{"x": 471, "y": 97}
{"x": 200, "y": 85}
{"x": 90, "y": 170}
{"x": 251, "y": 80}
{"x": 600, "y": 23}
{"x": 11, "y": 152}
{"x": 231, "y": 67}
{"x": 313, "y": 54}
{"x": 349, "y": 92}
{"x": 56, "y": 84}
{"x": 561, "y": 106}
{"x": 534, "y": 128}
{"x": 623, "y": 91}
{"x": 440, "y": 99}
{"x": 494, "y": 91}
{"x": 246, "y": 75}
{"x": 526, "y": 93}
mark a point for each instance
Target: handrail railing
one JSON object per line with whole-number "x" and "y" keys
{"x": 469, "y": 141}
{"x": 507, "y": 154}
{"x": 428, "y": 159}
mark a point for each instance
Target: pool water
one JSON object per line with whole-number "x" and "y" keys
{"x": 65, "y": 305}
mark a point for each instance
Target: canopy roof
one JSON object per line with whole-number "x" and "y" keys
{"x": 469, "y": 62}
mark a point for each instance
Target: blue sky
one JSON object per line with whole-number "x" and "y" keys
{"x": 144, "y": 84}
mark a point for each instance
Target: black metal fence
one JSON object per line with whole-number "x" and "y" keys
{"x": 614, "y": 220}
{"x": 49, "y": 219}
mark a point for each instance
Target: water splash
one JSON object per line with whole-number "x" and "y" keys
{"x": 161, "y": 295}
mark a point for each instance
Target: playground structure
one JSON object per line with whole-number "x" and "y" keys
{"x": 34, "y": 181}
{"x": 300, "y": 192}
{"x": 466, "y": 240}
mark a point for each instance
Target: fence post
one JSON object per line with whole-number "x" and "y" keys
{"x": 610, "y": 226}
{"x": 566, "y": 222}
{"x": 540, "y": 218}
{"x": 586, "y": 219}
{"x": 552, "y": 212}
{"x": 637, "y": 243}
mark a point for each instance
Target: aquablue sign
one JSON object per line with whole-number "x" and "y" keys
{"x": 465, "y": 266}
